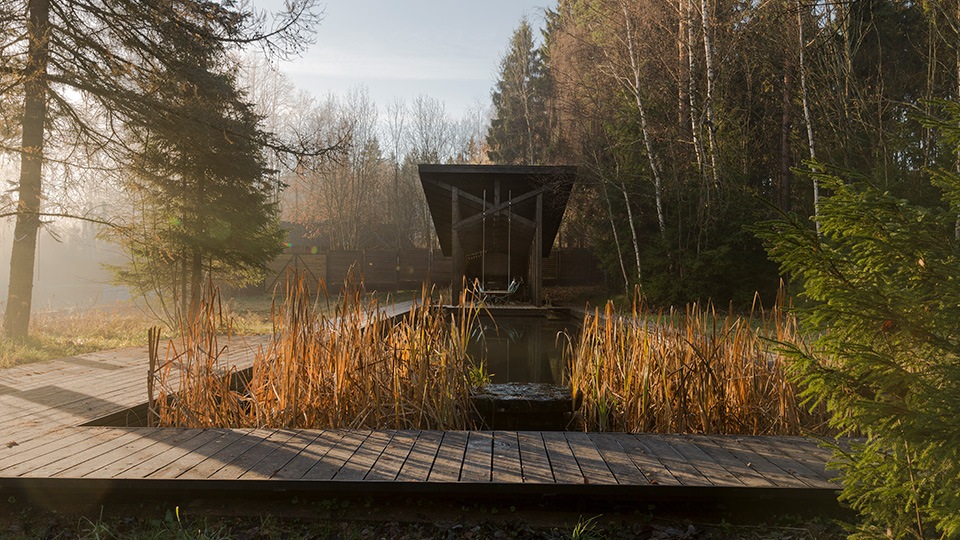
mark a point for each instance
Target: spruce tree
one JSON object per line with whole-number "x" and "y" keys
{"x": 883, "y": 284}
{"x": 200, "y": 178}
{"x": 72, "y": 56}
{"x": 519, "y": 131}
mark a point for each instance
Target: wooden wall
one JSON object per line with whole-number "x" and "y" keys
{"x": 391, "y": 270}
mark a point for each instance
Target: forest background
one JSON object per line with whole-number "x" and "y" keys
{"x": 689, "y": 121}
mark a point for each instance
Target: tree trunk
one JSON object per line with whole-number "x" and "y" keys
{"x": 711, "y": 75}
{"x": 633, "y": 226}
{"x": 20, "y": 293}
{"x": 786, "y": 129}
{"x": 616, "y": 236}
{"x": 683, "y": 84}
{"x": 956, "y": 27}
{"x": 847, "y": 80}
{"x": 802, "y": 68}
{"x": 647, "y": 142}
{"x": 692, "y": 89}
{"x": 704, "y": 193}
{"x": 196, "y": 283}
{"x": 933, "y": 34}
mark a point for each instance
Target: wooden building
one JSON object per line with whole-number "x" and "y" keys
{"x": 497, "y": 222}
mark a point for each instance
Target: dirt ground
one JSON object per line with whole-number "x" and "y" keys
{"x": 406, "y": 518}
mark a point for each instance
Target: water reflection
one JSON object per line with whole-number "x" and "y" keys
{"x": 522, "y": 349}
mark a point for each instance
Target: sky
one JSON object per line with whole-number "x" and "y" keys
{"x": 449, "y": 50}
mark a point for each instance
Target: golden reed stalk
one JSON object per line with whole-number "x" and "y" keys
{"x": 355, "y": 369}
{"x": 690, "y": 372}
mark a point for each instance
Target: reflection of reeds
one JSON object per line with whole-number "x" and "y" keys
{"x": 357, "y": 368}
{"x": 692, "y": 372}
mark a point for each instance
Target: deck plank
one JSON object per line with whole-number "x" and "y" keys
{"x": 594, "y": 468}
{"x": 49, "y": 446}
{"x": 758, "y": 463}
{"x": 623, "y": 468}
{"x": 728, "y": 461}
{"x": 226, "y": 455}
{"x": 329, "y": 465}
{"x": 160, "y": 443}
{"x": 149, "y": 466}
{"x": 534, "y": 462}
{"x": 310, "y": 455}
{"x": 786, "y": 462}
{"x": 254, "y": 456}
{"x": 419, "y": 462}
{"x": 360, "y": 463}
{"x": 506, "y": 458}
{"x": 565, "y": 468}
{"x": 393, "y": 457}
{"x": 449, "y": 462}
{"x": 673, "y": 461}
{"x": 147, "y": 439}
{"x": 209, "y": 450}
{"x": 649, "y": 464}
{"x": 478, "y": 459}
{"x": 285, "y": 452}
{"x": 104, "y": 444}
{"x": 806, "y": 451}
{"x": 704, "y": 463}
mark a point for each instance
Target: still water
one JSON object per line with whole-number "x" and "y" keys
{"x": 522, "y": 349}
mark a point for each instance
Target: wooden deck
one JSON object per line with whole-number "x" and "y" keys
{"x": 44, "y": 448}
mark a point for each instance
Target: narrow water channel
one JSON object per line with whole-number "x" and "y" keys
{"x": 522, "y": 349}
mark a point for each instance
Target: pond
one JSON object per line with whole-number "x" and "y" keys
{"x": 522, "y": 352}
{"x": 523, "y": 349}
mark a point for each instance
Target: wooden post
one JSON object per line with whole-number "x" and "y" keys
{"x": 456, "y": 275}
{"x": 153, "y": 359}
{"x": 536, "y": 254}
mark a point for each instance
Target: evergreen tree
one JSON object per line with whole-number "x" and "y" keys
{"x": 70, "y": 56}
{"x": 200, "y": 176}
{"x": 519, "y": 131}
{"x": 883, "y": 279}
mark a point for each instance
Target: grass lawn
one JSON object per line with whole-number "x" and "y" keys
{"x": 68, "y": 332}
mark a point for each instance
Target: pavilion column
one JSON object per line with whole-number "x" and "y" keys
{"x": 456, "y": 280}
{"x": 536, "y": 255}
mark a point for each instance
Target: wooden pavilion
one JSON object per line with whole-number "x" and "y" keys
{"x": 497, "y": 222}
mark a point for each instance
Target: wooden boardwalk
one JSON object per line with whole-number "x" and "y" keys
{"x": 44, "y": 447}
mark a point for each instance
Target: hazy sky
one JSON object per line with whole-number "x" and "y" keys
{"x": 449, "y": 49}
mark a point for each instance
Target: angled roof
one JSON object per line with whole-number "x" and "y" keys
{"x": 479, "y": 180}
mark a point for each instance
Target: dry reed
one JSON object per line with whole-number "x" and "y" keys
{"x": 357, "y": 368}
{"x": 689, "y": 372}
{"x": 204, "y": 394}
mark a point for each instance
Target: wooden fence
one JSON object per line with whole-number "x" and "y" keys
{"x": 392, "y": 270}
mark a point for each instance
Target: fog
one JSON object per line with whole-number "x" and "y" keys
{"x": 70, "y": 269}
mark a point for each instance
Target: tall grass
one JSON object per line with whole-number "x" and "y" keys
{"x": 355, "y": 368}
{"x": 206, "y": 395}
{"x": 351, "y": 366}
{"x": 694, "y": 371}
{"x": 68, "y": 332}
